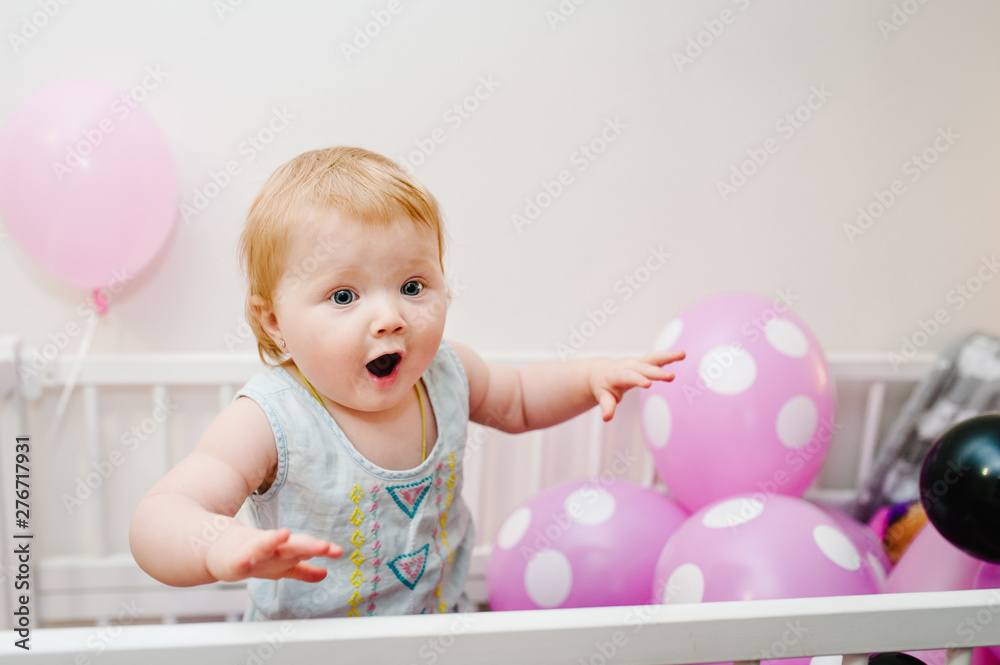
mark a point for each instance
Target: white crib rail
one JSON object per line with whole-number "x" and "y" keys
{"x": 91, "y": 586}
{"x": 713, "y": 632}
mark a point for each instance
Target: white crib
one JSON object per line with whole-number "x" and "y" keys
{"x": 91, "y": 603}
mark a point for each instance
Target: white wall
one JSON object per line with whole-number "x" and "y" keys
{"x": 886, "y": 96}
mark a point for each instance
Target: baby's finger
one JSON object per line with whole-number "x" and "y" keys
{"x": 608, "y": 403}
{"x": 264, "y": 547}
{"x": 306, "y": 572}
{"x": 306, "y": 546}
{"x": 632, "y": 377}
{"x": 656, "y": 373}
{"x": 246, "y": 559}
{"x": 664, "y": 357}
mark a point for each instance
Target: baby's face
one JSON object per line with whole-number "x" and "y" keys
{"x": 362, "y": 309}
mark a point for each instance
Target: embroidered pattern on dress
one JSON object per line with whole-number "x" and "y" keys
{"x": 408, "y": 497}
{"x": 409, "y": 567}
{"x": 443, "y": 520}
{"x": 376, "y": 555}
{"x": 357, "y": 517}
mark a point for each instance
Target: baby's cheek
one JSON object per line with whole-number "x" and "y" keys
{"x": 430, "y": 316}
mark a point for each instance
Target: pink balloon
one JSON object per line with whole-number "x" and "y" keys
{"x": 88, "y": 186}
{"x": 751, "y": 409}
{"x": 989, "y": 578}
{"x": 584, "y": 543}
{"x": 744, "y": 548}
{"x": 930, "y": 657}
{"x": 866, "y": 541}
{"x": 986, "y": 656}
{"x": 931, "y": 563}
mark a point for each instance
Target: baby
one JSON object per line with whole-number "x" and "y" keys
{"x": 350, "y": 446}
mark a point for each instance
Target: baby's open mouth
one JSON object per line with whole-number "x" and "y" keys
{"x": 383, "y": 365}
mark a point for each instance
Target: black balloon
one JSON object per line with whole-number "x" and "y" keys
{"x": 960, "y": 486}
{"x": 893, "y": 658}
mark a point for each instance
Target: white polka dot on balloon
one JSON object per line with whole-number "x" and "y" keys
{"x": 685, "y": 585}
{"x": 658, "y": 420}
{"x": 837, "y": 547}
{"x": 548, "y": 578}
{"x": 727, "y": 372}
{"x": 669, "y": 335}
{"x": 514, "y": 528}
{"x": 786, "y": 337}
{"x": 797, "y": 421}
{"x": 732, "y": 512}
{"x": 590, "y": 506}
{"x": 877, "y": 568}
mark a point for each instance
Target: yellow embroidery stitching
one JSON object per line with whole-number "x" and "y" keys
{"x": 452, "y": 462}
{"x": 357, "y": 578}
{"x": 357, "y": 539}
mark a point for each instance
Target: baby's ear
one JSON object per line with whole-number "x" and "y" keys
{"x": 264, "y": 312}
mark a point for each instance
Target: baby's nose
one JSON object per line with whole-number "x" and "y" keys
{"x": 388, "y": 319}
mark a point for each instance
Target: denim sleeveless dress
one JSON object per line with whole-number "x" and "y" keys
{"x": 407, "y": 535}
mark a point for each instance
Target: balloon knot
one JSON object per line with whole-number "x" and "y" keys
{"x": 100, "y": 304}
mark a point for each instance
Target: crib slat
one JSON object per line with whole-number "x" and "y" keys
{"x": 226, "y": 393}
{"x": 869, "y": 435}
{"x": 160, "y": 437}
{"x": 91, "y": 412}
{"x": 536, "y": 444}
{"x": 958, "y": 657}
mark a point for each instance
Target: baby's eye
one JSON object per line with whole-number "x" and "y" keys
{"x": 344, "y": 297}
{"x": 412, "y": 288}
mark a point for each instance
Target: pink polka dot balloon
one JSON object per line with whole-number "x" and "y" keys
{"x": 866, "y": 541}
{"x": 989, "y": 578}
{"x": 581, "y": 544}
{"x": 748, "y": 548}
{"x": 751, "y": 409}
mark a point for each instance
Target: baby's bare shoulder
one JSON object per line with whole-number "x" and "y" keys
{"x": 242, "y": 437}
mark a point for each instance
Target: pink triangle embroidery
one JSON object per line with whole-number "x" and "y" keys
{"x": 411, "y": 495}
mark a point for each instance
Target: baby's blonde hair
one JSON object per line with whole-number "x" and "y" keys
{"x": 355, "y": 182}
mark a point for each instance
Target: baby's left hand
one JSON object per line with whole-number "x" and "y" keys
{"x": 610, "y": 380}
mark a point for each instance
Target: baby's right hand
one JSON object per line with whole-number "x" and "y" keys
{"x": 246, "y": 552}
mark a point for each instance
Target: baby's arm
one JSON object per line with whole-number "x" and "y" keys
{"x": 183, "y": 531}
{"x": 539, "y": 395}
